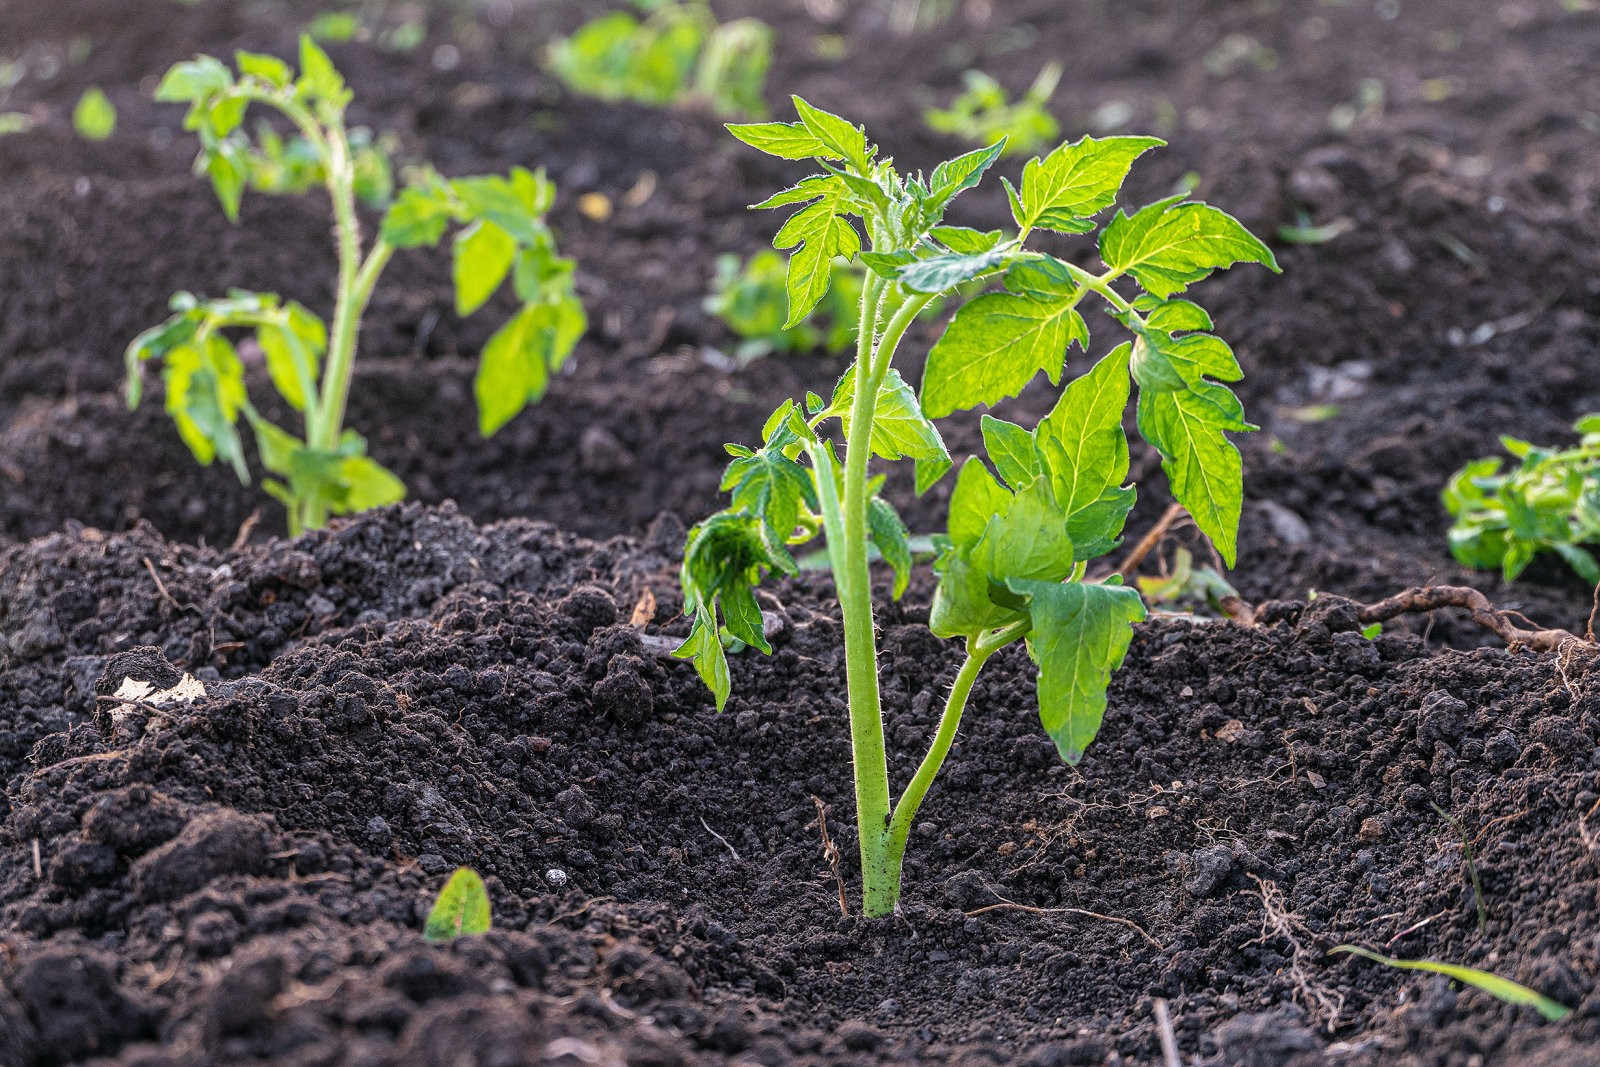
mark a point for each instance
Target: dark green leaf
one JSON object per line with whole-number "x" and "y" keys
{"x": 1080, "y": 633}
{"x": 889, "y": 533}
{"x": 704, "y": 647}
{"x": 1012, "y": 451}
{"x": 938, "y": 274}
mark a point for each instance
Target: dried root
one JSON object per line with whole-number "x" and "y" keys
{"x": 1430, "y": 598}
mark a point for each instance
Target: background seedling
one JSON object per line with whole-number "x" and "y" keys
{"x": 1501, "y": 988}
{"x": 1549, "y": 502}
{"x": 752, "y": 300}
{"x": 462, "y": 907}
{"x": 676, "y": 53}
{"x": 500, "y": 233}
{"x": 984, "y": 114}
{"x": 95, "y": 118}
{"x": 1012, "y": 560}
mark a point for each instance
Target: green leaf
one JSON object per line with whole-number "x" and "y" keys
{"x": 839, "y": 137}
{"x": 367, "y": 484}
{"x": 771, "y": 486}
{"x": 462, "y": 907}
{"x": 1081, "y": 440}
{"x": 319, "y": 79}
{"x": 1500, "y": 988}
{"x": 938, "y": 274}
{"x": 270, "y": 69}
{"x": 889, "y": 533}
{"x": 951, "y": 178}
{"x": 1062, "y": 190}
{"x": 503, "y": 203}
{"x": 962, "y": 604}
{"x": 292, "y": 358}
{"x": 1080, "y": 634}
{"x": 966, "y": 240}
{"x": 205, "y": 392}
{"x": 1167, "y": 246}
{"x": 704, "y": 647}
{"x": 483, "y": 254}
{"x": 994, "y": 346}
{"x": 193, "y": 80}
{"x": 1028, "y": 540}
{"x": 94, "y": 118}
{"x": 786, "y": 140}
{"x": 417, "y": 218}
{"x": 929, "y": 472}
{"x": 821, "y": 234}
{"x": 518, "y": 360}
{"x": 1012, "y": 450}
{"x": 977, "y": 498}
{"x": 1207, "y": 475}
{"x": 228, "y": 174}
{"x": 899, "y": 428}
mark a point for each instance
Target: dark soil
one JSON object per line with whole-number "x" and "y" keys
{"x": 429, "y": 686}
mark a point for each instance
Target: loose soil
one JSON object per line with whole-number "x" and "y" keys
{"x": 446, "y": 683}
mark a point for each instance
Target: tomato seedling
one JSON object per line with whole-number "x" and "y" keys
{"x": 677, "y": 52}
{"x": 984, "y": 114}
{"x": 1549, "y": 502}
{"x": 1011, "y": 563}
{"x": 500, "y": 231}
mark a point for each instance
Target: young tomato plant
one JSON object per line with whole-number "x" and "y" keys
{"x": 500, "y": 231}
{"x": 1549, "y": 502}
{"x": 982, "y": 114}
{"x": 678, "y": 51}
{"x": 1022, "y": 527}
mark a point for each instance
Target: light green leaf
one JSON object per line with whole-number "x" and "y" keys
{"x": 367, "y": 484}
{"x": 462, "y": 907}
{"x": 1029, "y": 540}
{"x": 319, "y": 79}
{"x": 292, "y": 362}
{"x": 1081, "y": 440}
{"x": 1066, "y": 187}
{"x": 955, "y": 176}
{"x": 704, "y": 647}
{"x": 977, "y": 498}
{"x": 193, "y": 80}
{"x": 1167, "y": 246}
{"x": 518, "y": 360}
{"x": 786, "y": 140}
{"x": 994, "y": 346}
{"x": 842, "y": 140}
{"x": 1501, "y": 988}
{"x": 417, "y": 218}
{"x": 270, "y": 69}
{"x": 1206, "y": 472}
{"x": 899, "y": 428}
{"x": 1012, "y": 451}
{"x": 205, "y": 392}
{"x": 95, "y": 118}
{"x": 228, "y": 175}
{"x": 821, "y": 234}
{"x": 502, "y": 202}
{"x": 1080, "y": 634}
{"x": 966, "y": 240}
{"x": 483, "y": 254}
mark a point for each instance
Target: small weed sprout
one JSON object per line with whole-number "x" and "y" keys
{"x": 1023, "y": 527}
{"x": 461, "y": 908}
{"x": 500, "y": 232}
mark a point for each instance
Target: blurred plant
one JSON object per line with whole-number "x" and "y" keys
{"x": 95, "y": 117}
{"x": 281, "y": 166}
{"x": 983, "y": 114}
{"x": 461, "y": 908}
{"x": 1549, "y": 502}
{"x": 678, "y": 52}
{"x": 500, "y": 232}
{"x": 752, "y": 299}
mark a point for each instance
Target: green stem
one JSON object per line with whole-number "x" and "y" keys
{"x": 351, "y": 305}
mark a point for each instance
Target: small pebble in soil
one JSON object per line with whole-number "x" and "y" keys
{"x": 556, "y": 878}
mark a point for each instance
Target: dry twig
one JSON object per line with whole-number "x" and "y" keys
{"x": 1150, "y": 540}
{"x": 1432, "y": 597}
{"x": 1169, "y": 1040}
{"x": 830, "y": 853}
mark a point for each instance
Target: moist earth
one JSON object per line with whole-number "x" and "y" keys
{"x": 479, "y": 678}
